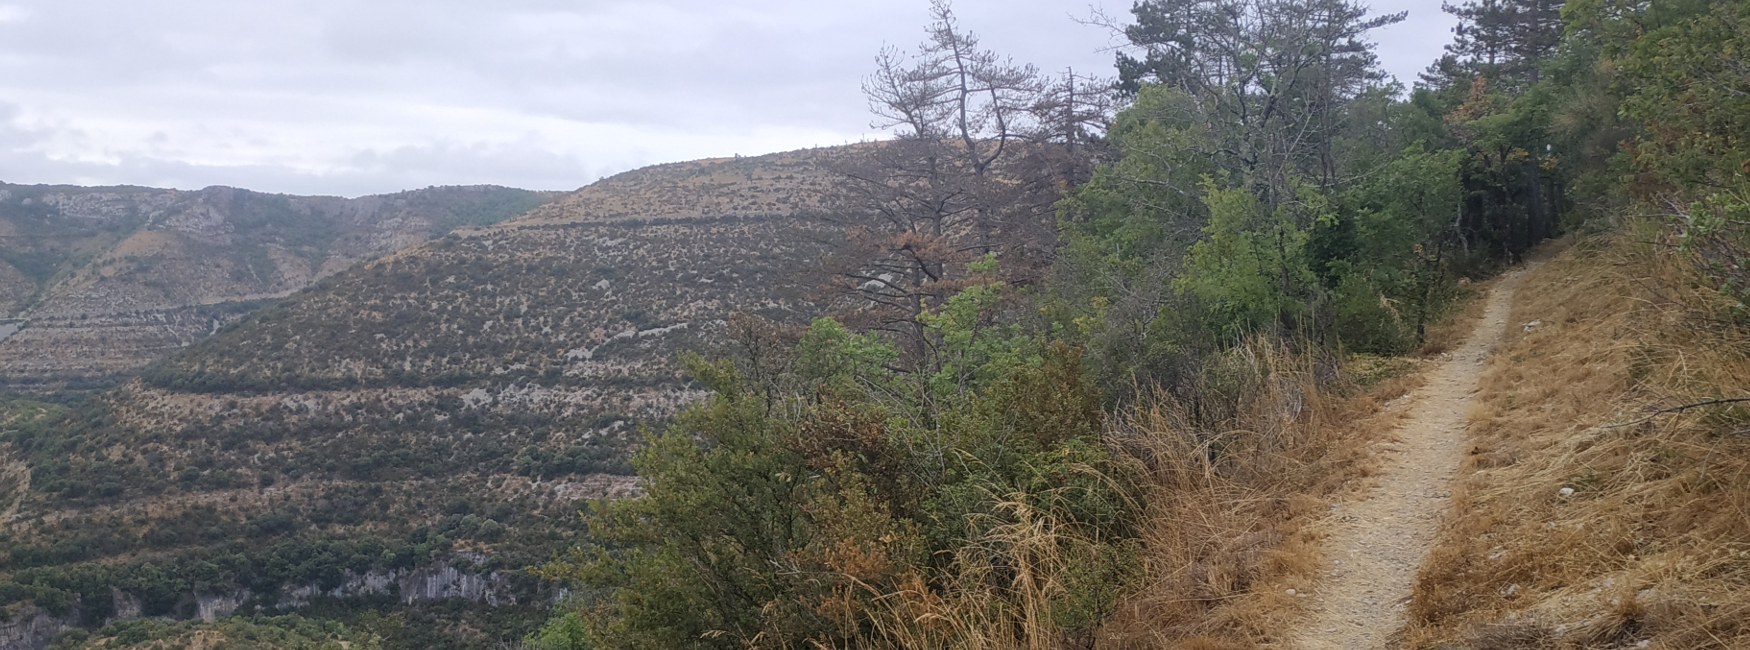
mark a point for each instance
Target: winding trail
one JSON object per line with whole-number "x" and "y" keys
{"x": 1378, "y": 542}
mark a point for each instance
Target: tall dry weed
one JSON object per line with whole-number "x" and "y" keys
{"x": 1588, "y": 518}
{"x": 1006, "y": 591}
{"x": 1232, "y": 480}
{"x": 1231, "y": 498}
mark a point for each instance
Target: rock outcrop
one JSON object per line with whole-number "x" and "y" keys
{"x": 31, "y": 628}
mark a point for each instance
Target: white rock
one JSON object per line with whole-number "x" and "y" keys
{"x": 1566, "y": 492}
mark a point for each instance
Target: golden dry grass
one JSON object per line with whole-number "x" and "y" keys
{"x": 1233, "y": 535}
{"x": 1570, "y": 532}
{"x": 1233, "y": 505}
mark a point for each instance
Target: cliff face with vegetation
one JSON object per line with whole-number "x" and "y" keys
{"x": 414, "y": 429}
{"x": 98, "y": 282}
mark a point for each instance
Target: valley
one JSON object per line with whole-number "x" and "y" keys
{"x": 417, "y": 427}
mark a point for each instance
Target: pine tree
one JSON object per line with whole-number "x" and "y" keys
{"x": 1502, "y": 40}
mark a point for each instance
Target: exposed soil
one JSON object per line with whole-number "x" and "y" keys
{"x": 1377, "y": 541}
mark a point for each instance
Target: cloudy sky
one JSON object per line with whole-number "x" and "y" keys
{"x": 351, "y": 97}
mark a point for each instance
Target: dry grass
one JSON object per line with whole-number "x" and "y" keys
{"x": 1461, "y": 319}
{"x": 1041, "y": 559}
{"x": 1570, "y": 532}
{"x": 1233, "y": 503}
{"x": 1232, "y": 506}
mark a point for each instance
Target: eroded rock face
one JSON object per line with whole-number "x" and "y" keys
{"x": 435, "y": 581}
{"x": 125, "y": 605}
{"x": 31, "y": 628}
{"x": 440, "y": 580}
{"x": 211, "y": 607}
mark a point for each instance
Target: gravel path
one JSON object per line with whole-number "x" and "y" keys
{"x": 1377, "y": 542}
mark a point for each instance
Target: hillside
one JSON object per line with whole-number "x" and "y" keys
{"x": 98, "y": 282}
{"x": 1248, "y": 352}
{"x": 414, "y": 428}
{"x": 1602, "y": 500}
{"x": 778, "y": 184}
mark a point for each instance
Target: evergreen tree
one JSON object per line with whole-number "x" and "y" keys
{"x": 1503, "y": 40}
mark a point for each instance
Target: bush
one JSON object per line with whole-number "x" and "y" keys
{"x": 1368, "y": 321}
{"x": 817, "y": 510}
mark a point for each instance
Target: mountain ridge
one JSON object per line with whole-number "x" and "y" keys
{"x": 104, "y": 280}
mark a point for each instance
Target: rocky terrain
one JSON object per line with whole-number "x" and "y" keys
{"x": 97, "y": 282}
{"x": 403, "y": 432}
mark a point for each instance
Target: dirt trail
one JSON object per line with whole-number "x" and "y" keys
{"x": 1377, "y": 542}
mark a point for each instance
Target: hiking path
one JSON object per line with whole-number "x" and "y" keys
{"x": 1377, "y": 541}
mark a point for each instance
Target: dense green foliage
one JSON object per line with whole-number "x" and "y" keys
{"x": 1285, "y": 189}
{"x": 1685, "y": 79}
{"x": 785, "y": 513}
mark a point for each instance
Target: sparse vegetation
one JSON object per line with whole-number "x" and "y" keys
{"x": 113, "y": 278}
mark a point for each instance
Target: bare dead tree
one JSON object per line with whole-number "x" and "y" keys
{"x": 950, "y": 89}
{"x": 984, "y": 147}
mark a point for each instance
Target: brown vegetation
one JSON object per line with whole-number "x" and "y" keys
{"x": 1588, "y": 519}
{"x": 1234, "y": 499}
{"x": 1466, "y": 311}
{"x": 1233, "y": 488}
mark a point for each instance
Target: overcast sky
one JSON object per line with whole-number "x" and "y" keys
{"x": 352, "y": 97}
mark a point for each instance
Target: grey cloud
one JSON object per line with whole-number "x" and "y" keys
{"x": 452, "y": 163}
{"x": 347, "y": 97}
{"x": 525, "y": 164}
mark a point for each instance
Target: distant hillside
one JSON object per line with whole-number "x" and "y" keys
{"x": 101, "y": 281}
{"x": 776, "y": 184}
{"x": 412, "y": 430}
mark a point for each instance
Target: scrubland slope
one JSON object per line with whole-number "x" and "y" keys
{"x": 416, "y": 428}
{"x": 1595, "y": 510}
{"x": 105, "y": 280}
